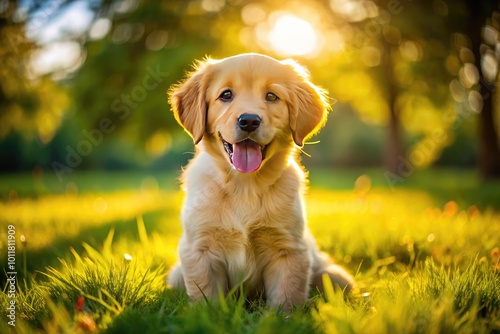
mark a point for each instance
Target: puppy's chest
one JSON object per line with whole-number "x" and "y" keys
{"x": 259, "y": 219}
{"x": 250, "y": 211}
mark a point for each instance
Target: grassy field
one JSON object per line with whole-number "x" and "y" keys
{"x": 92, "y": 254}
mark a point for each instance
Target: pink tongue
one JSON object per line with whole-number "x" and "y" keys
{"x": 247, "y": 156}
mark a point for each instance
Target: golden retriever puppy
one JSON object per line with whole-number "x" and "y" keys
{"x": 243, "y": 218}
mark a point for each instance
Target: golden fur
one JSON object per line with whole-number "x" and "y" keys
{"x": 249, "y": 227}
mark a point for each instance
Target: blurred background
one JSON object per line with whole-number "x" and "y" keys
{"x": 83, "y": 83}
{"x": 406, "y": 169}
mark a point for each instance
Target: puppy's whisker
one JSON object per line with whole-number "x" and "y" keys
{"x": 312, "y": 142}
{"x": 309, "y": 143}
{"x": 305, "y": 153}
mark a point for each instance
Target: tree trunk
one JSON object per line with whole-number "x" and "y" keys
{"x": 489, "y": 151}
{"x": 394, "y": 151}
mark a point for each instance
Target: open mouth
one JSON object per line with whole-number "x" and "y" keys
{"x": 246, "y": 156}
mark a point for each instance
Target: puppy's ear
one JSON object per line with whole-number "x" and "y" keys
{"x": 309, "y": 106}
{"x": 188, "y": 101}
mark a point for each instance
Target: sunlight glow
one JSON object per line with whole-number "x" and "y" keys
{"x": 292, "y": 36}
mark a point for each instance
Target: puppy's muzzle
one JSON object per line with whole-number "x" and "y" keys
{"x": 249, "y": 122}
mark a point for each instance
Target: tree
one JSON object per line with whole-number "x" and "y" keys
{"x": 395, "y": 44}
{"x": 30, "y": 107}
{"x": 479, "y": 18}
{"x": 388, "y": 59}
{"x": 130, "y": 66}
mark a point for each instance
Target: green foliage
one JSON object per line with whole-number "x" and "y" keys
{"x": 30, "y": 108}
{"x": 133, "y": 98}
{"x": 106, "y": 285}
{"x": 430, "y": 300}
{"x": 379, "y": 57}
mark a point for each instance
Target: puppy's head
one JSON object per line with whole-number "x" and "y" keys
{"x": 249, "y": 107}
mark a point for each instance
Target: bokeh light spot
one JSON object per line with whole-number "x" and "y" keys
{"x": 157, "y": 40}
{"x": 100, "y": 28}
{"x": 100, "y": 205}
{"x": 158, "y": 143}
{"x": 292, "y": 36}
{"x": 252, "y": 14}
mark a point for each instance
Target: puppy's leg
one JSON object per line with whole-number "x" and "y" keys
{"x": 286, "y": 279}
{"x": 204, "y": 272}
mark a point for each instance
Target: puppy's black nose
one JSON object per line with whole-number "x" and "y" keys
{"x": 249, "y": 122}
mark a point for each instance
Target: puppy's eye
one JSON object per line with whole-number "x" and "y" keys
{"x": 271, "y": 97}
{"x": 226, "y": 96}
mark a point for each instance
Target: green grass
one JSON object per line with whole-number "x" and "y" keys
{"x": 425, "y": 256}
